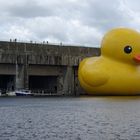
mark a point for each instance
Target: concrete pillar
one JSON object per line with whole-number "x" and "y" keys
{"x": 26, "y": 75}
{"x": 26, "y": 68}
{"x": 60, "y": 85}
{"x": 19, "y": 76}
{"x": 68, "y": 88}
{"x": 22, "y": 80}
{"x": 77, "y": 92}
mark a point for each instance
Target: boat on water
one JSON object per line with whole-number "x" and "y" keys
{"x": 23, "y": 92}
{"x": 10, "y": 93}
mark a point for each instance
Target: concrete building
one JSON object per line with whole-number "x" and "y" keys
{"x": 42, "y": 68}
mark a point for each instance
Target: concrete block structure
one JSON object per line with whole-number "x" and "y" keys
{"x": 42, "y": 68}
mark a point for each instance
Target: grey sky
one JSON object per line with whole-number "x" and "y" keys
{"x": 81, "y": 22}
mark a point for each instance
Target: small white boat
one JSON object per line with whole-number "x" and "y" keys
{"x": 11, "y": 93}
{"x": 23, "y": 92}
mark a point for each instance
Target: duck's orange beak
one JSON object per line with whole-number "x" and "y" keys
{"x": 137, "y": 58}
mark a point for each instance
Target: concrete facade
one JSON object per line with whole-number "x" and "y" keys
{"x": 42, "y": 68}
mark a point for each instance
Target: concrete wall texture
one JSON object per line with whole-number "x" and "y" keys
{"x": 42, "y": 68}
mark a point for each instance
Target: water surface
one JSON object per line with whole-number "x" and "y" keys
{"x": 85, "y": 118}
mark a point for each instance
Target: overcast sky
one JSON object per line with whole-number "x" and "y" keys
{"x": 80, "y": 22}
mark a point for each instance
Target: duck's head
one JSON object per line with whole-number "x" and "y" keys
{"x": 122, "y": 44}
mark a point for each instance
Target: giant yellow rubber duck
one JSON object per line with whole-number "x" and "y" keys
{"x": 117, "y": 70}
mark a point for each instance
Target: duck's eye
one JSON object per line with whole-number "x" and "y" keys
{"x": 127, "y": 49}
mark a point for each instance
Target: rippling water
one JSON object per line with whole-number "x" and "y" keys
{"x": 94, "y": 118}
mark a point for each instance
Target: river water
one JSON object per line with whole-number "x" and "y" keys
{"x": 82, "y": 118}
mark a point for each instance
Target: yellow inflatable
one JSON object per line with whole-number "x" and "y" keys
{"x": 117, "y": 70}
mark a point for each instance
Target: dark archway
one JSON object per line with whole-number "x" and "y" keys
{"x": 48, "y": 84}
